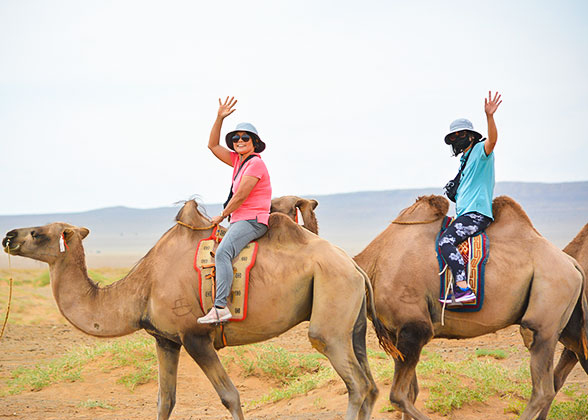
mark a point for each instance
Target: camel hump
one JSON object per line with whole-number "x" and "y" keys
{"x": 506, "y": 209}
{"x": 425, "y": 207}
{"x": 574, "y": 247}
{"x": 438, "y": 203}
{"x": 284, "y": 229}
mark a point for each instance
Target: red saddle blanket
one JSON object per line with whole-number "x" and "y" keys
{"x": 204, "y": 266}
{"x": 475, "y": 253}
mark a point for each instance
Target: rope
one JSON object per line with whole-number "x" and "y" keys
{"x": 212, "y": 276}
{"x": 415, "y": 223}
{"x": 9, "y": 293}
{"x": 449, "y": 285}
{"x": 194, "y": 227}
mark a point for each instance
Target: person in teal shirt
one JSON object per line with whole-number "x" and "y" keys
{"x": 473, "y": 199}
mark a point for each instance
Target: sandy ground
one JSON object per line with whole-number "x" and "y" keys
{"x": 40, "y": 333}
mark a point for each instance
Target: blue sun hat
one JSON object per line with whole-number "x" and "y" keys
{"x": 459, "y": 125}
{"x": 258, "y": 145}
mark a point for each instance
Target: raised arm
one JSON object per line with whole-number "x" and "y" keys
{"x": 224, "y": 110}
{"x": 490, "y": 107}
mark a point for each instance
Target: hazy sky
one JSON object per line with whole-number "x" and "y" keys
{"x": 111, "y": 102}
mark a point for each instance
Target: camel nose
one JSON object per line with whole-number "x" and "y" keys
{"x": 9, "y": 236}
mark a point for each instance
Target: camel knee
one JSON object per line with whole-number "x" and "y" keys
{"x": 528, "y": 334}
{"x": 317, "y": 340}
{"x": 398, "y": 400}
{"x": 542, "y": 398}
{"x": 231, "y": 400}
{"x": 373, "y": 393}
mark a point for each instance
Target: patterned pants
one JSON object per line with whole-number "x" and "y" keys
{"x": 466, "y": 225}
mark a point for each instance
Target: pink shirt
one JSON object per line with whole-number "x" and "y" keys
{"x": 257, "y": 204}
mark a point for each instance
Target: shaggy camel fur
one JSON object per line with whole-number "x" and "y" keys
{"x": 298, "y": 276}
{"x": 528, "y": 282}
{"x": 289, "y": 203}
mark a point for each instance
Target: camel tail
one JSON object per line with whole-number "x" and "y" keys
{"x": 583, "y": 306}
{"x": 383, "y": 334}
{"x": 584, "y": 341}
{"x": 583, "y": 331}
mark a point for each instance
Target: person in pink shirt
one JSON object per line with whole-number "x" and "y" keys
{"x": 248, "y": 204}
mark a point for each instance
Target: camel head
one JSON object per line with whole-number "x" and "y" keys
{"x": 288, "y": 205}
{"x": 43, "y": 243}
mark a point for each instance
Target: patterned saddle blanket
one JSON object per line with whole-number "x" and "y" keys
{"x": 475, "y": 253}
{"x": 204, "y": 266}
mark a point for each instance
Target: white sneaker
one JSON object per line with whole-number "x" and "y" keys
{"x": 216, "y": 315}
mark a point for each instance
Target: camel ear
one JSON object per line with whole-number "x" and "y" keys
{"x": 300, "y": 202}
{"x": 68, "y": 233}
{"x": 307, "y": 210}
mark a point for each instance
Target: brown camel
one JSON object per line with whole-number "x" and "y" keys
{"x": 288, "y": 204}
{"x": 528, "y": 282}
{"x": 578, "y": 249}
{"x": 298, "y": 276}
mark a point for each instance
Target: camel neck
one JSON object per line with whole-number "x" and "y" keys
{"x": 111, "y": 311}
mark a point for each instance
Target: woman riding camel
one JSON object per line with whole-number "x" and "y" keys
{"x": 473, "y": 197}
{"x": 248, "y": 205}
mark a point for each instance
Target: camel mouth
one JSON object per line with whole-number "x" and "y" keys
{"x": 10, "y": 250}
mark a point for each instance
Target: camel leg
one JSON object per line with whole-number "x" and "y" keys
{"x": 340, "y": 353}
{"x": 566, "y": 363}
{"x": 168, "y": 354}
{"x": 331, "y": 332}
{"x": 202, "y": 351}
{"x": 541, "y": 348}
{"x": 359, "y": 348}
{"x": 412, "y": 395}
{"x": 411, "y": 339}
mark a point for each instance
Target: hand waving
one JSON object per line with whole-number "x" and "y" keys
{"x": 225, "y": 109}
{"x": 491, "y": 105}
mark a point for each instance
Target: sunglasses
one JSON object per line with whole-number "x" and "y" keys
{"x": 244, "y": 137}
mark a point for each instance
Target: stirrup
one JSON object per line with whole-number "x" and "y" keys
{"x": 453, "y": 302}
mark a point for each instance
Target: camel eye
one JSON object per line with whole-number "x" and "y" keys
{"x": 34, "y": 234}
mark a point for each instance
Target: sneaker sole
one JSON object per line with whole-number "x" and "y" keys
{"x": 459, "y": 300}
{"x": 465, "y": 299}
{"x": 215, "y": 321}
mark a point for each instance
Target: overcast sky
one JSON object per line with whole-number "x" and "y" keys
{"x": 111, "y": 102}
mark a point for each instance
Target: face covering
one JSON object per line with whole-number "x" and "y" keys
{"x": 459, "y": 145}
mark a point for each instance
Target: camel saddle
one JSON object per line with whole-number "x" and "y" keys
{"x": 204, "y": 266}
{"x": 475, "y": 253}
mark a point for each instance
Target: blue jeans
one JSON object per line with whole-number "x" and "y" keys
{"x": 466, "y": 225}
{"x": 237, "y": 237}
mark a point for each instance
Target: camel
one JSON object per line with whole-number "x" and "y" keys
{"x": 577, "y": 248}
{"x": 529, "y": 282}
{"x": 297, "y": 277}
{"x": 288, "y": 205}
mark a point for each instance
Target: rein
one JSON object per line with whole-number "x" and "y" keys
{"x": 417, "y": 222}
{"x": 194, "y": 227}
{"x": 9, "y": 293}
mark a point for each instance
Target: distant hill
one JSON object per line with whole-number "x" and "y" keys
{"x": 120, "y": 235}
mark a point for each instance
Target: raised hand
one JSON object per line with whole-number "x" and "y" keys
{"x": 225, "y": 109}
{"x": 491, "y": 105}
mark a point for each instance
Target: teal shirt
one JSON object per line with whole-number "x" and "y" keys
{"x": 476, "y": 187}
